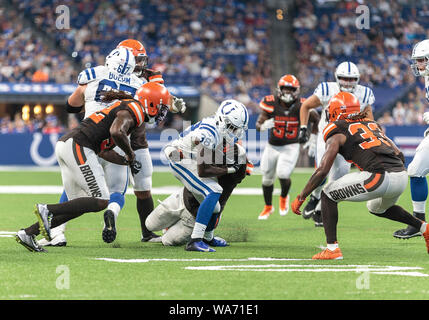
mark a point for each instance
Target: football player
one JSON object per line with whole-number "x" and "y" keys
{"x": 78, "y": 155}
{"x": 191, "y": 157}
{"x": 280, "y": 115}
{"x": 380, "y": 182}
{"x": 92, "y": 83}
{"x": 347, "y": 78}
{"x": 419, "y": 167}
{"x": 176, "y": 214}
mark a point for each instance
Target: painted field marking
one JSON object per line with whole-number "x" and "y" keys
{"x": 7, "y": 234}
{"x": 373, "y": 269}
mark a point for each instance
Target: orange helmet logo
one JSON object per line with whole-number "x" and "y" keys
{"x": 153, "y": 97}
{"x": 342, "y": 105}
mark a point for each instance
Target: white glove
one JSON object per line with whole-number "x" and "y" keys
{"x": 178, "y": 105}
{"x": 311, "y": 145}
{"x": 268, "y": 124}
{"x": 426, "y": 117}
{"x": 426, "y": 132}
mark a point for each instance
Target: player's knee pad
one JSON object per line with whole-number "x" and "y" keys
{"x": 374, "y": 207}
{"x": 217, "y": 208}
{"x": 267, "y": 181}
{"x": 118, "y": 198}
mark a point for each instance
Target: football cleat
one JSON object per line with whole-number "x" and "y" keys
{"x": 407, "y": 233}
{"x": 109, "y": 230}
{"x": 329, "y": 255}
{"x": 28, "y": 241}
{"x": 310, "y": 207}
{"x": 44, "y": 218}
{"x": 58, "y": 240}
{"x": 268, "y": 210}
{"x": 284, "y": 205}
{"x": 317, "y": 218}
{"x": 216, "y": 242}
{"x": 198, "y": 245}
{"x": 151, "y": 237}
{"x": 426, "y": 236}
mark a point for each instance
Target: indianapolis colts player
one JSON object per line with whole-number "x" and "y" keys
{"x": 347, "y": 78}
{"x": 191, "y": 161}
{"x": 419, "y": 166}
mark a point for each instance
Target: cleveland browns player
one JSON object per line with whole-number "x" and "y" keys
{"x": 78, "y": 151}
{"x": 280, "y": 115}
{"x": 380, "y": 182}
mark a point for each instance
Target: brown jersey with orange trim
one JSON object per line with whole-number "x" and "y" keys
{"x": 94, "y": 131}
{"x": 366, "y": 146}
{"x": 286, "y": 120}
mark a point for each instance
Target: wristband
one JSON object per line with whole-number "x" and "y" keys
{"x": 231, "y": 170}
{"x": 72, "y": 109}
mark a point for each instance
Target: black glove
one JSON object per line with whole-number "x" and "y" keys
{"x": 303, "y": 136}
{"x": 135, "y": 167}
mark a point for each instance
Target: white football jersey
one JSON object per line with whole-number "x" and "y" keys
{"x": 326, "y": 90}
{"x": 100, "y": 79}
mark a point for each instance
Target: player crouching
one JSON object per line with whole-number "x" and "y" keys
{"x": 381, "y": 181}
{"x": 176, "y": 214}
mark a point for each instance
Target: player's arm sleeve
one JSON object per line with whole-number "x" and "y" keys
{"x": 265, "y": 106}
{"x": 330, "y": 130}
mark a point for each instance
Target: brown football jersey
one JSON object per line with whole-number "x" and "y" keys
{"x": 286, "y": 120}
{"x": 366, "y": 145}
{"x": 94, "y": 131}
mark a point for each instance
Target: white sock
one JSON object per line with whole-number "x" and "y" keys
{"x": 419, "y": 206}
{"x": 332, "y": 246}
{"x": 208, "y": 235}
{"x": 199, "y": 230}
{"x": 423, "y": 227}
{"x": 116, "y": 208}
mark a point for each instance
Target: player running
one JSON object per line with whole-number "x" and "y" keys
{"x": 128, "y": 77}
{"x": 78, "y": 155}
{"x": 191, "y": 159}
{"x": 280, "y": 115}
{"x": 177, "y": 213}
{"x": 382, "y": 178}
{"x": 419, "y": 167}
{"x": 347, "y": 78}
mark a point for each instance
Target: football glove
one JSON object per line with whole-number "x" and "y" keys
{"x": 311, "y": 145}
{"x": 178, "y": 105}
{"x": 426, "y": 132}
{"x": 249, "y": 168}
{"x": 268, "y": 124}
{"x": 303, "y": 137}
{"x": 426, "y": 117}
{"x": 296, "y": 204}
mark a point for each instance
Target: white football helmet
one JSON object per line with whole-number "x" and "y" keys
{"x": 420, "y": 59}
{"x": 233, "y": 119}
{"x": 121, "y": 61}
{"x": 347, "y": 76}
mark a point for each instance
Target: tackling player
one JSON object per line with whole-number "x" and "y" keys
{"x": 177, "y": 213}
{"x": 419, "y": 167}
{"x": 347, "y": 78}
{"x": 191, "y": 157}
{"x": 280, "y": 115}
{"x": 382, "y": 178}
{"x": 78, "y": 153}
{"x": 92, "y": 83}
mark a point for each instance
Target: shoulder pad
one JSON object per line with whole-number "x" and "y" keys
{"x": 330, "y": 130}
{"x": 91, "y": 74}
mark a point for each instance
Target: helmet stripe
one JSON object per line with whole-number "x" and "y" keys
{"x": 126, "y": 61}
{"x": 348, "y": 62}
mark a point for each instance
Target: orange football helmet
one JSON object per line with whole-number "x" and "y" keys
{"x": 288, "y": 88}
{"x": 139, "y": 52}
{"x": 342, "y": 105}
{"x": 155, "y": 99}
